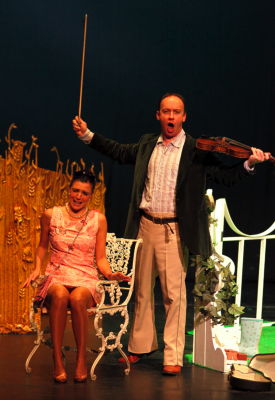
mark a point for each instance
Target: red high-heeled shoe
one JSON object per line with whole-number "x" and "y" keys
{"x": 61, "y": 378}
{"x": 80, "y": 379}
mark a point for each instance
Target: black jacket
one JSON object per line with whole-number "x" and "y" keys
{"x": 194, "y": 169}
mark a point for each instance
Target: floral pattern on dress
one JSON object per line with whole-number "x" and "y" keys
{"x": 72, "y": 261}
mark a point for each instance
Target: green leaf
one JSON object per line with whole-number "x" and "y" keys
{"x": 218, "y": 306}
{"x": 236, "y": 310}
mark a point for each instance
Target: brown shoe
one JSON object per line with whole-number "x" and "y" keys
{"x": 172, "y": 370}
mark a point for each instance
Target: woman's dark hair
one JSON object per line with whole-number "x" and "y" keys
{"x": 84, "y": 176}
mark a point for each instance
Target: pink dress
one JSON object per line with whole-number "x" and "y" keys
{"x": 72, "y": 259}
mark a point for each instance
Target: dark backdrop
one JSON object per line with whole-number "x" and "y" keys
{"x": 218, "y": 53}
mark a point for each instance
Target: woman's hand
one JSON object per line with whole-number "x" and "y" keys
{"x": 33, "y": 276}
{"x": 117, "y": 276}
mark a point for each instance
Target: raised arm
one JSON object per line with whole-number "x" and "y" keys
{"x": 123, "y": 153}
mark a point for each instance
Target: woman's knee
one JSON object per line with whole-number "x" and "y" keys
{"x": 58, "y": 294}
{"x": 80, "y": 298}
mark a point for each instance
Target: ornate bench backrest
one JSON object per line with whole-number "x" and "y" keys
{"x": 120, "y": 254}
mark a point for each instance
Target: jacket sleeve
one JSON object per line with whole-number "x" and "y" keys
{"x": 123, "y": 153}
{"x": 221, "y": 173}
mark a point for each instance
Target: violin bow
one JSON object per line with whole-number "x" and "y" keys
{"x": 82, "y": 65}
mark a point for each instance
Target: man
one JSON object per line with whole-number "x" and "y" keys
{"x": 168, "y": 211}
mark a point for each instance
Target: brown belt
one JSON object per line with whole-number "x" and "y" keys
{"x": 158, "y": 220}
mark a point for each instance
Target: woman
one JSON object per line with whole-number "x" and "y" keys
{"x": 76, "y": 235}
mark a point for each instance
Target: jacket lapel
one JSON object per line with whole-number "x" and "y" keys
{"x": 186, "y": 159}
{"x": 146, "y": 149}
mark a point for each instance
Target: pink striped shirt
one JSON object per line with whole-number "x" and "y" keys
{"x": 160, "y": 185}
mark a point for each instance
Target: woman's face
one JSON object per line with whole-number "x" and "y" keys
{"x": 79, "y": 195}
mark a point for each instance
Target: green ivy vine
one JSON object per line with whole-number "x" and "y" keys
{"x": 219, "y": 305}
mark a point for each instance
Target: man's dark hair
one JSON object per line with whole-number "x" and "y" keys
{"x": 84, "y": 176}
{"x": 172, "y": 94}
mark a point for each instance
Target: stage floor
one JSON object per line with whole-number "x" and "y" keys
{"x": 145, "y": 381}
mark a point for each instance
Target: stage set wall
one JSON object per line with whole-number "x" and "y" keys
{"x": 218, "y": 54}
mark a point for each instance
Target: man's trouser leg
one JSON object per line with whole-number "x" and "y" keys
{"x": 143, "y": 337}
{"x": 171, "y": 265}
{"x": 162, "y": 248}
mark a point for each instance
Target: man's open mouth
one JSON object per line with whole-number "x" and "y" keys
{"x": 170, "y": 127}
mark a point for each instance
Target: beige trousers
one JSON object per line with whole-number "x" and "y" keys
{"x": 160, "y": 255}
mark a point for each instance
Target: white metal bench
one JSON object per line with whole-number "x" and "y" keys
{"x": 115, "y": 296}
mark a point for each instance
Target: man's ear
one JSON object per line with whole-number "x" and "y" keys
{"x": 157, "y": 115}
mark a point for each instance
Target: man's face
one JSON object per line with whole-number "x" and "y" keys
{"x": 171, "y": 116}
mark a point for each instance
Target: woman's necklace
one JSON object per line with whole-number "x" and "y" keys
{"x": 74, "y": 215}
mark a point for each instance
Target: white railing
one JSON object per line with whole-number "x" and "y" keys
{"x": 210, "y": 342}
{"x": 221, "y": 214}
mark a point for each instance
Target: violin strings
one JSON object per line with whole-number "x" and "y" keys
{"x": 234, "y": 142}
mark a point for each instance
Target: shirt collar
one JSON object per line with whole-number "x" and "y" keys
{"x": 177, "y": 141}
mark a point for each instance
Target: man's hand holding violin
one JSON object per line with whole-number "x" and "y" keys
{"x": 258, "y": 156}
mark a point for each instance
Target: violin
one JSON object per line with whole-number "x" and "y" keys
{"x": 226, "y": 146}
